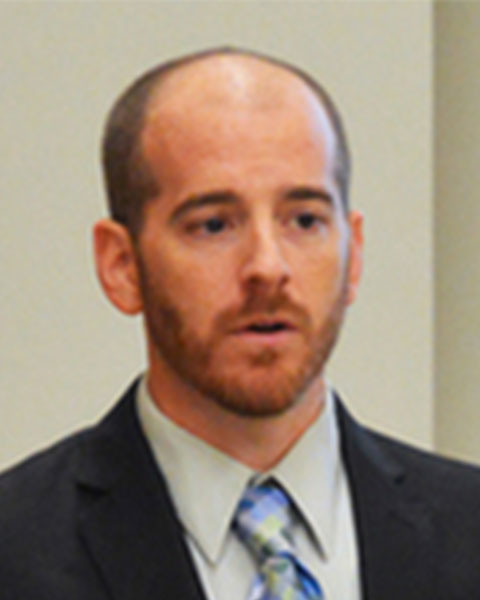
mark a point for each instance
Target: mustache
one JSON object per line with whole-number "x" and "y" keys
{"x": 261, "y": 304}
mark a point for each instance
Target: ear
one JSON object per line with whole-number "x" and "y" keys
{"x": 117, "y": 269}
{"x": 355, "y": 266}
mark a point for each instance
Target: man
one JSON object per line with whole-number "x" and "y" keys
{"x": 227, "y": 174}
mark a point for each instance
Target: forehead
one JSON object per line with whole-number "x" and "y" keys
{"x": 225, "y": 106}
{"x": 220, "y": 77}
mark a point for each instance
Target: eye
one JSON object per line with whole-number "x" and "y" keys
{"x": 308, "y": 220}
{"x": 214, "y": 225}
{"x": 208, "y": 226}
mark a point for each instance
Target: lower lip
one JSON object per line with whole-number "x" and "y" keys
{"x": 267, "y": 339}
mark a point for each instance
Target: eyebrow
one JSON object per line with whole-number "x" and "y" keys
{"x": 226, "y": 197}
{"x": 309, "y": 193}
{"x": 220, "y": 197}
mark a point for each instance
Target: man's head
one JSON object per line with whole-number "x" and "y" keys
{"x": 245, "y": 255}
{"x": 128, "y": 178}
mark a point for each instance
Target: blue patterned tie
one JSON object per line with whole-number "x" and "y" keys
{"x": 263, "y": 523}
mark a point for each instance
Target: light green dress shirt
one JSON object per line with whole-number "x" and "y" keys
{"x": 207, "y": 484}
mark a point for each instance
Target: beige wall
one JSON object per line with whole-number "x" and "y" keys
{"x": 457, "y": 226}
{"x": 65, "y": 354}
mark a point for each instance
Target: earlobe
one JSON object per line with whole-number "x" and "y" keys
{"x": 116, "y": 266}
{"x": 356, "y": 254}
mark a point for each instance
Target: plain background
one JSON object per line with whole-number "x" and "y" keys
{"x": 65, "y": 354}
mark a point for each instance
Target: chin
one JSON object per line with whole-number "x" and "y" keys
{"x": 264, "y": 391}
{"x": 258, "y": 407}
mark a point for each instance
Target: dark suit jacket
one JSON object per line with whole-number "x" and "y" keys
{"x": 91, "y": 519}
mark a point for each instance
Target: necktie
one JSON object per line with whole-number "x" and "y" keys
{"x": 263, "y": 523}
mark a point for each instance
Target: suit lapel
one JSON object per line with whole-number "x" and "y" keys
{"x": 129, "y": 527}
{"x": 394, "y": 527}
{"x": 127, "y": 520}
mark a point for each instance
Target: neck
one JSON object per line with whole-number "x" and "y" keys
{"x": 258, "y": 442}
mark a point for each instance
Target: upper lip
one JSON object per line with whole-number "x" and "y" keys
{"x": 264, "y": 321}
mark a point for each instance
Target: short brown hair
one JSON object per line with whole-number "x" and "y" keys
{"x": 128, "y": 179}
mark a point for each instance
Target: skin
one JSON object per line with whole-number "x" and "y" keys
{"x": 248, "y": 229}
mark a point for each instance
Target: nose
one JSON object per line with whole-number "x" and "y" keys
{"x": 265, "y": 265}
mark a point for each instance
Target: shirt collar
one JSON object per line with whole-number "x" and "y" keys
{"x": 207, "y": 484}
{"x": 311, "y": 473}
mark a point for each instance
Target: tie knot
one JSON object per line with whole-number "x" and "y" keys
{"x": 263, "y": 521}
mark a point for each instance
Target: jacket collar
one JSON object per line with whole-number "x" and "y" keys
{"x": 128, "y": 522}
{"x": 129, "y": 527}
{"x": 394, "y": 525}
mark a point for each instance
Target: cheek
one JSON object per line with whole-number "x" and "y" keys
{"x": 320, "y": 275}
{"x": 200, "y": 289}
{"x": 205, "y": 290}
{"x": 209, "y": 275}
{"x": 197, "y": 283}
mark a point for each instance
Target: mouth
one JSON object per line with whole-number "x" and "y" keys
{"x": 266, "y": 330}
{"x": 269, "y": 327}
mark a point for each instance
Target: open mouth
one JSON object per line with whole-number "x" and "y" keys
{"x": 266, "y": 331}
{"x": 268, "y": 327}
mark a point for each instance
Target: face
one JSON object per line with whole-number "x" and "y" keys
{"x": 246, "y": 259}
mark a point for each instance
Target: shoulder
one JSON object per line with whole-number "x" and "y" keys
{"x": 42, "y": 487}
{"x": 443, "y": 482}
{"x": 432, "y": 470}
{"x": 37, "y": 518}
{"x": 36, "y": 485}
{"x": 44, "y": 498}
{"x": 451, "y": 488}
{"x": 448, "y": 489}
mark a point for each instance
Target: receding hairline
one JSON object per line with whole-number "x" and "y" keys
{"x": 171, "y": 81}
{"x": 127, "y": 120}
{"x": 159, "y": 76}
